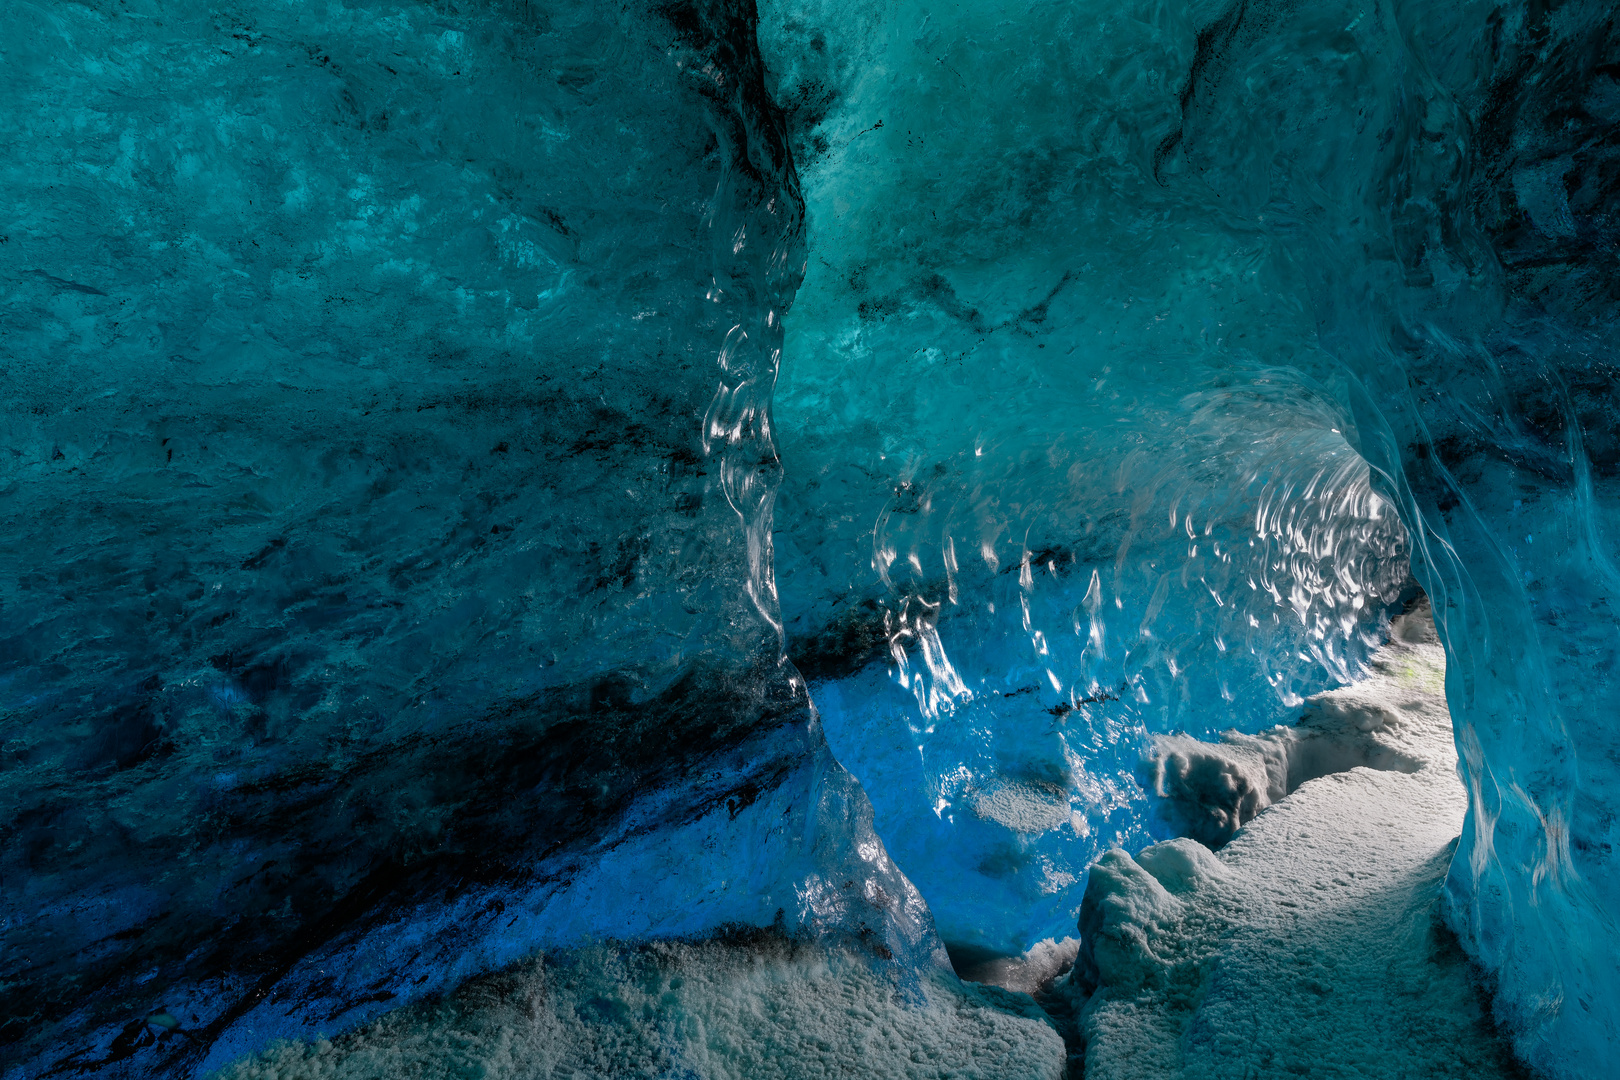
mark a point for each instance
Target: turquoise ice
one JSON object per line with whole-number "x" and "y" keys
{"x": 488, "y": 476}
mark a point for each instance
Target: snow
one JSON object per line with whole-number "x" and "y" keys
{"x": 1311, "y": 944}
{"x": 1211, "y": 790}
{"x": 761, "y": 1007}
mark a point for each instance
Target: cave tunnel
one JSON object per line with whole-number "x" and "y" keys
{"x": 749, "y": 538}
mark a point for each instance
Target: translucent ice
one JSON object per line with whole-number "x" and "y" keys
{"x": 1077, "y": 269}
{"x": 1066, "y": 470}
{"x": 388, "y": 475}
{"x": 392, "y": 541}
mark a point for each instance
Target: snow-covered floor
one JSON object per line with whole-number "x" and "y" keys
{"x": 758, "y": 1009}
{"x": 1311, "y": 944}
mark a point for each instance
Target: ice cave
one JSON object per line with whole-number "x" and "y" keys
{"x": 748, "y": 539}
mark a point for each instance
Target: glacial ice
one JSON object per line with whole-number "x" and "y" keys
{"x": 1084, "y": 232}
{"x": 1035, "y": 465}
{"x": 388, "y": 490}
{"x": 411, "y": 560}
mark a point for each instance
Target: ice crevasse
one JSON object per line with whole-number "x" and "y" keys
{"x": 486, "y": 477}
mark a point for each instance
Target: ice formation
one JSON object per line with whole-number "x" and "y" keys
{"x": 1044, "y": 475}
{"x": 1084, "y": 232}
{"x": 412, "y": 560}
{"x": 388, "y": 485}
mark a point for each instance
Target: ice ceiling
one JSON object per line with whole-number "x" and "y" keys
{"x": 482, "y": 476}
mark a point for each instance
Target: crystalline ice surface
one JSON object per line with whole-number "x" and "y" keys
{"x": 1101, "y": 296}
{"x": 388, "y": 496}
{"x": 400, "y": 545}
{"x": 1045, "y": 459}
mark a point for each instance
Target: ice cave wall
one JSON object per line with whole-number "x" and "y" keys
{"x": 388, "y": 486}
{"x": 1068, "y": 456}
{"x": 1470, "y": 300}
{"x": 389, "y": 548}
{"x": 1045, "y": 237}
{"x": 1489, "y": 375}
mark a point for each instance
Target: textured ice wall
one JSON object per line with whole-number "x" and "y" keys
{"x": 1079, "y": 270}
{"x": 387, "y": 489}
{"x": 1068, "y": 465}
{"x": 1397, "y": 218}
{"x": 1473, "y": 301}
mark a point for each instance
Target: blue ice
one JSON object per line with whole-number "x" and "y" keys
{"x": 482, "y": 477}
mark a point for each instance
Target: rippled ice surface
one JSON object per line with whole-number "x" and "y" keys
{"x": 1062, "y": 473}
{"x": 1048, "y": 242}
{"x": 404, "y": 569}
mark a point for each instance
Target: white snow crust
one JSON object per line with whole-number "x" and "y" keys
{"x": 1311, "y": 944}
{"x": 767, "y": 1009}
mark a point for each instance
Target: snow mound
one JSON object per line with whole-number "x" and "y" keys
{"x": 760, "y": 1007}
{"x": 1209, "y": 791}
{"x": 1311, "y": 944}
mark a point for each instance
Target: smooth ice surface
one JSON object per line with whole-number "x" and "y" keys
{"x": 1312, "y": 944}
